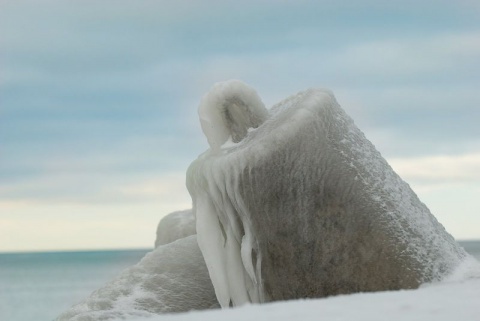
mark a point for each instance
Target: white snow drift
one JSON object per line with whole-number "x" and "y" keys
{"x": 439, "y": 302}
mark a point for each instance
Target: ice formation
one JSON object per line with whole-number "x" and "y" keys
{"x": 172, "y": 278}
{"x": 228, "y": 111}
{"x": 302, "y": 205}
{"x": 175, "y": 226}
{"x": 289, "y": 203}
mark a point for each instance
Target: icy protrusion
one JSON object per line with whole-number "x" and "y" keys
{"x": 235, "y": 272}
{"x": 172, "y": 278}
{"x": 174, "y": 226}
{"x": 221, "y": 251}
{"x": 212, "y": 241}
{"x": 322, "y": 211}
{"x": 228, "y": 110}
{"x": 246, "y": 253}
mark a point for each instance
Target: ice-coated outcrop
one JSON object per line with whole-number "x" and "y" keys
{"x": 172, "y": 278}
{"x": 175, "y": 226}
{"x": 300, "y": 204}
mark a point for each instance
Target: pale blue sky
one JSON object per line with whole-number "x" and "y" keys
{"x": 98, "y": 102}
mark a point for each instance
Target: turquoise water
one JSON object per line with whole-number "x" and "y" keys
{"x": 39, "y": 286}
{"x": 472, "y": 247}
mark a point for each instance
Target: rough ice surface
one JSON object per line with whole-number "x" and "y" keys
{"x": 172, "y": 278}
{"x": 305, "y": 206}
{"x": 175, "y": 226}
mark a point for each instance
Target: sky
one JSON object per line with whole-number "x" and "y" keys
{"x": 98, "y": 102}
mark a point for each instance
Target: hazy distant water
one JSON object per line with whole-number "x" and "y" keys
{"x": 472, "y": 247}
{"x": 39, "y": 286}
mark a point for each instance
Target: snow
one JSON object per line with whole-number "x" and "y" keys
{"x": 437, "y": 302}
{"x": 305, "y": 206}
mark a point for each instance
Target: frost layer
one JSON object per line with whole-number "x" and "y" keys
{"x": 172, "y": 278}
{"x": 175, "y": 226}
{"x": 305, "y": 206}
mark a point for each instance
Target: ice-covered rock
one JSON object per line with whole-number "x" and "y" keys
{"x": 305, "y": 206}
{"x": 172, "y": 278}
{"x": 175, "y": 226}
{"x": 290, "y": 203}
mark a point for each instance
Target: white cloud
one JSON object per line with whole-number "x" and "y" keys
{"x": 411, "y": 56}
{"x": 408, "y": 68}
{"x": 455, "y": 205}
{"x": 449, "y": 185}
{"x": 68, "y": 52}
{"x": 93, "y": 187}
{"x": 122, "y": 214}
{"x": 167, "y": 188}
{"x": 439, "y": 169}
{"x": 27, "y": 227}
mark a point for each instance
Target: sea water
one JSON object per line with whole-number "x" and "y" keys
{"x": 39, "y": 286}
{"x": 472, "y": 247}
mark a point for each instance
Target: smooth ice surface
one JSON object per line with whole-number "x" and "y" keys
{"x": 172, "y": 278}
{"x": 228, "y": 110}
{"x": 175, "y": 226}
{"x": 304, "y": 206}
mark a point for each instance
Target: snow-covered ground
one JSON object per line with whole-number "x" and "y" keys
{"x": 446, "y": 301}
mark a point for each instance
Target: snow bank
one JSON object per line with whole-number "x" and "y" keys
{"x": 439, "y": 302}
{"x": 305, "y": 206}
{"x": 172, "y": 278}
{"x": 175, "y": 226}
